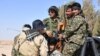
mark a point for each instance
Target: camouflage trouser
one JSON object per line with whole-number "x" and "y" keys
{"x": 70, "y": 49}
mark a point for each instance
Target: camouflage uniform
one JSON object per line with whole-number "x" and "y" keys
{"x": 74, "y": 32}
{"x": 96, "y": 30}
{"x": 24, "y": 47}
{"x": 51, "y": 24}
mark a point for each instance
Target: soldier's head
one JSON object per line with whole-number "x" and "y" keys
{"x": 53, "y": 11}
{"x": 52, "y": 43}
{"x": 26, "y": 27}
{"x": 38, "y": 26}
{"x": 68, "y": 10}
{"x": 76, "y": 8}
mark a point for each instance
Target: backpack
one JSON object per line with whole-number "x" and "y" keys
{"x": 30, "y": 35}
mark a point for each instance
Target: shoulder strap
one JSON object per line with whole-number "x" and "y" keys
{"x": 29, "y": 37}
{"x": 32, "y": 35}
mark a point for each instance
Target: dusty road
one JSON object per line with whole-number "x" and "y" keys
{"x": 5, "y": 47}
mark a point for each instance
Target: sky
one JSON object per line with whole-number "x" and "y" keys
{"x": 15, "y": 13}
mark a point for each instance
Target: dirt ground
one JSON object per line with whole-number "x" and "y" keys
{"x": 5, "y": 47}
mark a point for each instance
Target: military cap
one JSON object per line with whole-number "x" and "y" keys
{"x": 76, "y": 5}
{"x": 55, "y": 9}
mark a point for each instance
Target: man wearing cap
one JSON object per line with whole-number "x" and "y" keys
{"x": 32, "y": 43}
{"x": 75, "y": 32}
{"x": 52, "y": 22}
{"x": 69, "y": 16}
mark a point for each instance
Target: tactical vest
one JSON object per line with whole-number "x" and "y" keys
{"x": 29, "y": 37}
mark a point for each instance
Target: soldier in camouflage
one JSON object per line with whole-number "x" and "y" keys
{"x": 52, "y": 27}
{"x": 74, "y": 32}
{"x": 68, "y": 15}
{"x": 52, "y": 22}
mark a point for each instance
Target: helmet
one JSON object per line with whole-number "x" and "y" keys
{"x": 54, "y": 8}
{"x": 76, "y": 5}
{"x": 38, "y": 25}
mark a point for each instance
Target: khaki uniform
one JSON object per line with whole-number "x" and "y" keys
{"x": 74, "y": 35}
{"x": 96, "y": 30}
{"x": 36, "y": 47}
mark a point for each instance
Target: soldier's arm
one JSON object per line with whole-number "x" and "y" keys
{"x": 45, "y": 22}
{"x": 79, "y": 25}
{"x": 43, "y": 47}
{"x": 49, "y": 33}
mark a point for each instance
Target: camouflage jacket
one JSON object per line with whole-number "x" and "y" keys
{"x": 74, "y": 35}
{"x": 51, "y": 24}
{"x": 75, "y": 26}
